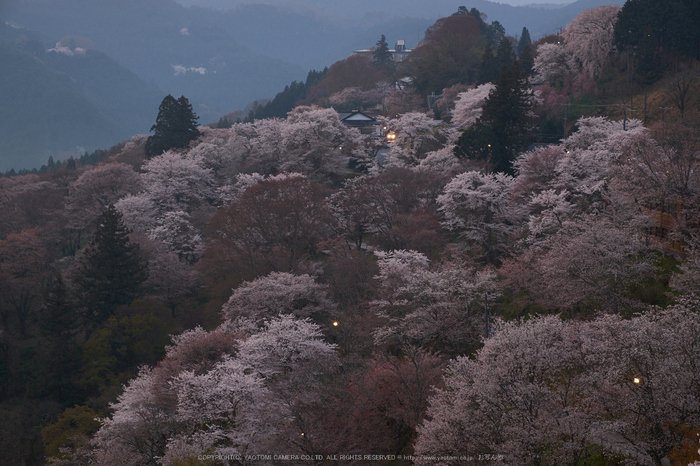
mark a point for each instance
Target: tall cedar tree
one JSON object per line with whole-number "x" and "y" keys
{"x": 495, "y": 33}
{"x": 111, "y": 270}
{"x": 176, "y": 126}
{"x": 524, "y": 40}
{"x": 504, "y": 55}
{"x": 381, "y": 54}
{"x": 501, "y": 131}
{"x": 526, "y": 52}
{"x": 60, "y": 353}
{"x": 488, "y": 72}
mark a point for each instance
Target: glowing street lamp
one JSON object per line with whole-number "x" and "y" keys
{"x": 335, "y": 323}
{"x": 637, "y": 380}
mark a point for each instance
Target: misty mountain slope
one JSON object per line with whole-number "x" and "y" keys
{"x": 178, "y": 48}
{"x": 316, "y": 34}
{"x": 54, "y": 102}
{"x": 43, "y": 113}
{"x": 540, "y": 20}
{"x": 311, "y": 38}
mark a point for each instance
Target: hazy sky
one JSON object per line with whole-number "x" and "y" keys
{"x": 231, "y": 3}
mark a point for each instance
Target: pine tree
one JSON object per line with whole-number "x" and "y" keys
{"x": 488, "y": 71}
{"x": 58, "y": 321}
{"x": 504, "y": 55}
{"x": 381, "y": 54}
{"x": 60, "y": 352}
{"x": 524, "y": 40}
{"x": 111, "y": 270}
{"x": 176, "y": 126}
{"x": 526, "y": 52}
{"x": 495, "y": 33}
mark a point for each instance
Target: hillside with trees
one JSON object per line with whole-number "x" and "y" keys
{"x": 514, "y": 282}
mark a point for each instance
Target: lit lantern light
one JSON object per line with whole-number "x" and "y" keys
{"x": 391, "y": 136}
{"x": 637, "y": 380}
{"x": 335, "y": 323}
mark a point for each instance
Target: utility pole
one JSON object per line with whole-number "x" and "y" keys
{"x": 663, "y": 114}
{"x": 566, "y": 108}
{"x": 624, "y": 120}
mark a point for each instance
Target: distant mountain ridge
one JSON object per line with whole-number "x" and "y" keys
{"x": 181, "y": 50}
{"x": 220, "y": 60}
{"x": 55, "y": 102}
{"x": 512, "y": 17}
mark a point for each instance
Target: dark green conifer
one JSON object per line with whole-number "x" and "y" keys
{"x": 176, "y": 126}
{"x": 524, "y": 40}
{"x": 381, "y": 55}
{"x": 60, "y": 354}
{"x": 501, "y": 131}
{"x": 111, "y": 270}
{"x": 488, "y": 71}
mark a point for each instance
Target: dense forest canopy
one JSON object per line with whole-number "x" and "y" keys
{"x": 512, "y": 275}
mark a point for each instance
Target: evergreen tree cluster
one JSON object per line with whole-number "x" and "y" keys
{"x": 51, "y": 166}
{"x": 286, "y": 100}
{"x": 175, "y": 127}
{"x": 672, "y": 23}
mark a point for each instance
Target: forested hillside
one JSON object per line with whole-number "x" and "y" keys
{"x": 509, "y": 277}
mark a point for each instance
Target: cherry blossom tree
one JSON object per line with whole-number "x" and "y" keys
{"x": 514, "y": 403}
{"x": 211, "y": 394}
{"x": 219, "y": 151}
{"x": 469, "y": 105}
{"x": 176, "y": 231}
{"x": 442, "y": 161}
{"x": 592, "y": 265}
{"x": 441, "y": 309}
{"x": 226, "y": 408}
{"x": 279, "y": 293}
{"x": 175, "y": 181}
{"x": 96, "y": 189}
{"x": 544, "y": 391}
{"x": 478, "y": 206}
{"x": 138, "y": 430}
{"x": 264, "y": 140}
{"x": 646, "y": 378}
{"x": 536, "y": 170}
{"x": 416, "y": 133}
{"x": 589, "y": 37}
{"x": 292, "y": 358}
{"x": 552, "y": 64}
{"x": 313, "y": 140}
{"x": 139, "y": 211}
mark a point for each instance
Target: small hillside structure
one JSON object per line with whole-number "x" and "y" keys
{"x": 398, "y": 53}
{"x": 366, "y": 123}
